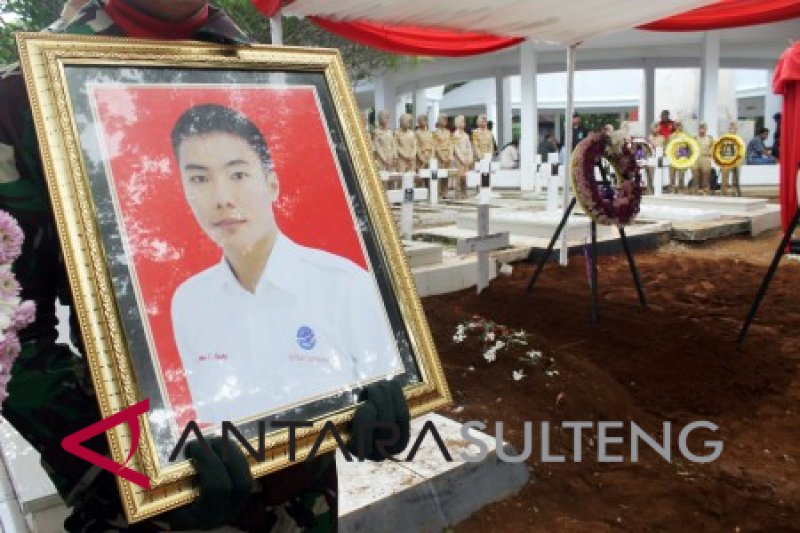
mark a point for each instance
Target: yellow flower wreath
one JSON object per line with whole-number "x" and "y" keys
{"x": 683, "y": 151}
{"x": 728, "y": 151}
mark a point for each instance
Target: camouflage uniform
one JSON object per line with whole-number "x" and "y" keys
{"x": 50, "y": 393}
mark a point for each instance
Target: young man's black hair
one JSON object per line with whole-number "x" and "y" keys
{"x": 212, "y": 118}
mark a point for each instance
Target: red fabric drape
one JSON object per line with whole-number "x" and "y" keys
{"x": 412, "y": 40}
{"x": 416, "y": 40}
{"x": 267, "y": 7}
{"x": 787, "y": 83}
{"x": 728, "y": 14}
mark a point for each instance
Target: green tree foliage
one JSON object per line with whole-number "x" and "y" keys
{"x": 23, "y": 15}
{"x": 361, "y": 61}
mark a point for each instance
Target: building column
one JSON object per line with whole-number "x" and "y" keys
{"x": 491, "y": 116}
{"x": 773, "y": 103}
{"x": 499, "y": 111}
{"x": 557, "y": 126}
{"x": 433, "y": 114}
{"x": 709, "y": 81}
{"x": 649, "y": 96}
{"x": 385, "y": 98}
{"x": 507, "y": 114}
{"x": 529, "y": 116}
{"x": 420, "y": 104}
{"x": 400, "y": 108}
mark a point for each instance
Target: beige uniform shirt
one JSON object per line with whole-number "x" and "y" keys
{"x": 406, "y": 150}
{"x": 482, "y": 143}
{"x": 657, "y": 141}
{"x": 424, "y": 148}
{"x": 443, "y": 146}
{"x": 706, "y": 143}
{"x": 385, "y": 148}
{"x": 462, "y": 152}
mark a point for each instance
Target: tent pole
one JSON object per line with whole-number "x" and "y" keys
{"x": 276, "y": 28}
{"x": 563, "y": 257}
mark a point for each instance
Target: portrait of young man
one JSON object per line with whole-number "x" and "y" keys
{"x": 273, "y": 324}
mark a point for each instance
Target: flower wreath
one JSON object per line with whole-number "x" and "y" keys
{"x": 15, "y": 314}
{"x": 642, "y": 150}
{"x": 610, "y": 204}
{"x": 683, "y": 151}
{"x": 728, "y": 151}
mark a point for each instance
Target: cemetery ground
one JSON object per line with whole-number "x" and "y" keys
{"x": 676, "y": 361}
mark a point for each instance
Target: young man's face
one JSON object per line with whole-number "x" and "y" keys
{"x": 229, "y": 190}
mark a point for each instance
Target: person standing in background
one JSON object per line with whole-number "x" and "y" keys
{"x": 406, "y": 142}
{"x": 656, "y": 141}
{"x": 578, "y": 131}
{"x": 384, "y": 144}
{"x": 482, "y": 140}
{"x": 676, "y": 176}
{"x": 463, "y": 156}
{"x": 701, "y": 173}
{"x": 727, "y": 173}
{"x": 425, "y": 143}
{"x": 443, "y": 148}
{"x": 666, "y": 127}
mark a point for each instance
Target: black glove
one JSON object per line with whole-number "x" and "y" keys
{"x": 380, "y": 426}
{"x": 225, "y": 484}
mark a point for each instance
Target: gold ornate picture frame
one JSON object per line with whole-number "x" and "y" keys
{"x": 155, "y": 211}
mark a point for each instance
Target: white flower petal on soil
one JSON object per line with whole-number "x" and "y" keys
{"x": 518, "y": 374}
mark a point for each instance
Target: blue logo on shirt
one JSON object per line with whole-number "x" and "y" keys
{"x": 306, "y": 338}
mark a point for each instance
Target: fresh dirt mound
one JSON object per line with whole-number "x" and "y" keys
{"x": 676, "y": 361}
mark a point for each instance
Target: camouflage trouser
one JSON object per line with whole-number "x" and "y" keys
{"x": 300, "y": 498}
{"x": 49, "y": 397}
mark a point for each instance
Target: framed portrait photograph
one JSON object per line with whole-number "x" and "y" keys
{"x": 230, "y": 250}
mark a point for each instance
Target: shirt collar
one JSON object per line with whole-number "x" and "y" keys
{"x": 280, "y": 272}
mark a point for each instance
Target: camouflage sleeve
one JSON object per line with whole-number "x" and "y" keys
{"x": 50, "y": 395}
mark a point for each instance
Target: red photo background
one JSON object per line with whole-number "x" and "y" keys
{"x": 164, "y": 242}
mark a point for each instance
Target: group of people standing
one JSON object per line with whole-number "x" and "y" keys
{"x": 660, "y": 135}
{"x": 409, "y": 150}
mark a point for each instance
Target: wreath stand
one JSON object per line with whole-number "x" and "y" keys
{"x": 593, "y": 230}
{"x": 762, "y": 290}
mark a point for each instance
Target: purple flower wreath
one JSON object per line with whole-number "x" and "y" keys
{"x": 615, "y": 204}
{"x": 15, "y": 314}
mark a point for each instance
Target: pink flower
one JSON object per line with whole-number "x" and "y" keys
{"x": 24, "y": 315}
{"x": 9, "y": 350}
{"x": 11, "y": 238}
{"x": 9, "y": 287}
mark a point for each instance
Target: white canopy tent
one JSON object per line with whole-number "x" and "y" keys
{"x": 558, "y": 22}
{"x": 565, "y": 23}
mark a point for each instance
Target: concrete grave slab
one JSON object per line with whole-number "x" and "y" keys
{"x": 542, "y": 224}
{"x": 427, "y": 494}
{"x": 422, "y": 253}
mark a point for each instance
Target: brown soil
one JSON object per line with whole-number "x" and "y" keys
{"x": 676, "y": 361}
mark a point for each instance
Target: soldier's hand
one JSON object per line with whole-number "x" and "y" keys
{"x": 380, "y": 426}
{"x": 225, "y": 482}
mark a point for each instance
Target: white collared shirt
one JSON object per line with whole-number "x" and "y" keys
{"x": 313, "y": 326}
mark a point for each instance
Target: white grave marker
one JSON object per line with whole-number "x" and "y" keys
{"x": 484, "y": 242}
{"x": 407, "y": 211}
